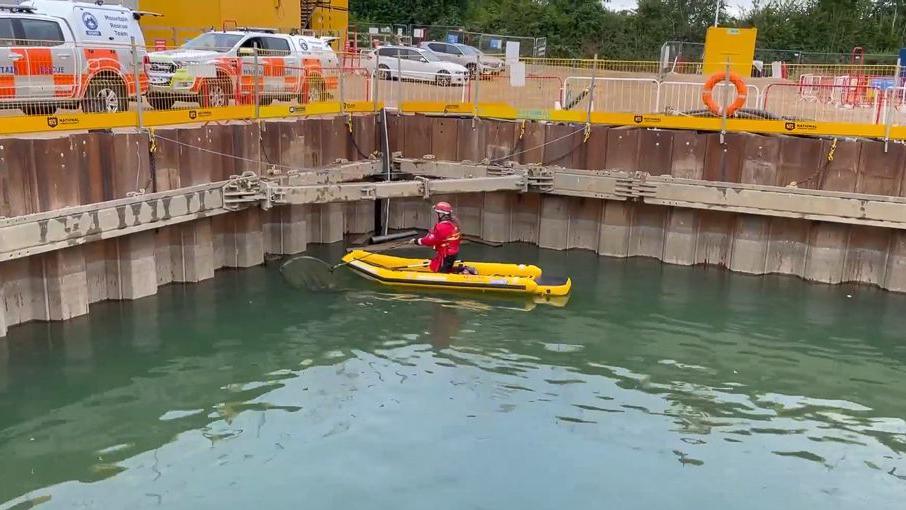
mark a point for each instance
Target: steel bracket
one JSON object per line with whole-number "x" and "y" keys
{"x": 538, "y": 179}
{"x": 426, "y": 189}
{"x": 369, "y": 193}
{"x": 244, "y": 190}
{"x": 635, "y": 187}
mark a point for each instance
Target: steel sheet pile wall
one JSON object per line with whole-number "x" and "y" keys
{"x": 43, "y": 174}
{"x": 817, "y": 251}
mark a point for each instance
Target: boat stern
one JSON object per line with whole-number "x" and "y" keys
{"x": 554, "y": 286}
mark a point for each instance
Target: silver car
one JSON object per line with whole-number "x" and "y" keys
{"x": 395, "y": 62}
{"x": 466, "y": 56}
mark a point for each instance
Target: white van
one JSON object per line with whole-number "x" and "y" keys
{"x": 319, "y": 47}
{"x": 216, "y": 68}
{"x": 59, "y": 54}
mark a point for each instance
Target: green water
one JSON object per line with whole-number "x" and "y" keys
{"x": 656, "y": 387}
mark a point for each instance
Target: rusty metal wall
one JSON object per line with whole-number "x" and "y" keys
{"x": 758, "y": 245}
{"x": 854, "y": 165}
{"x": 39, "y": 174}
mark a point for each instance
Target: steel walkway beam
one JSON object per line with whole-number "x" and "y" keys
{"x": 786, "y": 202}
{"x": 23, "y": 236}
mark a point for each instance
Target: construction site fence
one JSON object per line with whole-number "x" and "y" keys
{"x": 414, "y": 34}
{"x": 695, "y": 51}
{"x": 144, "y": 89}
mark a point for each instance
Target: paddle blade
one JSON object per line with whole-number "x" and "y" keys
{"x": 310, "y": 273}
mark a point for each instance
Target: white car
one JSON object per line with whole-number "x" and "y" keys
{"x": 394, "y": 62}
{"x": 319, "y": 47}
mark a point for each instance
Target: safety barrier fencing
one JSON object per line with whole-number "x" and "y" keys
{"x": 794, "y": 71}
{"x": 132, "y": 87}
{"x": 652, "y": 67}
{"x": 826, "y": 103}
{"x": 679, "y": 97}
{"x": 627, "y": 95}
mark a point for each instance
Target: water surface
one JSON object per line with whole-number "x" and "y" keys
{"x": 656, "y": 387}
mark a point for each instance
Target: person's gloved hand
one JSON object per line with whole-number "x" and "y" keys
{"x": 413, "y": 241}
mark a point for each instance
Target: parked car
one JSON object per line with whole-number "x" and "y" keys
{"x": 389, "y": 62}
{"x": 69, "y": 55}
{"x": 465, "y": 55}
{"x": 319, "y": 47}
{"x": 216, "y": 66}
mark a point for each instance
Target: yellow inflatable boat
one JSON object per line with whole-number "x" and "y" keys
{"x": 491, "y": 277}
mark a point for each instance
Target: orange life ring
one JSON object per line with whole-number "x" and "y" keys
{"x": 741, "y": 93}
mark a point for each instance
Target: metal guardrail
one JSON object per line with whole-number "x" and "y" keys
{"x": 262, "y": 86}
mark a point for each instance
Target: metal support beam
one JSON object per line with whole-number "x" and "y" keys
{"x": 297, "y": 195}
{"x": 828, "y": 206}
{"x": 33, "y": 234}
{"x": 24, "y": 236}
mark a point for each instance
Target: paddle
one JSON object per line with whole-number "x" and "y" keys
{"x": 315, "y": 274}
{"x": 410, "y": 266}
{"x": 372, "y": 250}
{"x": 477, "y": 240}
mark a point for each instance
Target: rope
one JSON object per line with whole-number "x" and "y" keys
{"x": 355, "y": 144}
{"x": 222, "y": 154}
{"x": 155, "y": 137}
{"x": 818, "y": 172}
{"x": 263, "y": 148}
{"x": 545, "y": 144}
{"x": 361, "y": 154}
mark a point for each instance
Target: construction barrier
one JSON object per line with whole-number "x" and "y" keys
{"x": 844, "y": 100}
{"x": 150, "y": 88}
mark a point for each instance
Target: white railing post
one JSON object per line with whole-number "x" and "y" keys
{"x": 257, "y": 84}
{"x": 341, "y": 90}
{"x": 399, "y": 81}
{"x": 724, "y": 107}
{"x": 591, "y": 92}
{"x": 477, "y": 80}
{"x": 657, "y": 98}
{"x": 888, "y": 110}
{"x": 374, "y": 90}
{"x": 137, "y": 77}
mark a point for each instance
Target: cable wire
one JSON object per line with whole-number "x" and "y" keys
{"x": 545, "y": 144}
{"x": 222, "y": 154}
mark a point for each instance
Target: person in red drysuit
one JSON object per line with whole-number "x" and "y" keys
{"x": 444, "y": 238}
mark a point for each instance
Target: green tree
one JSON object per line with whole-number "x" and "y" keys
{"x": 582, "y": 28}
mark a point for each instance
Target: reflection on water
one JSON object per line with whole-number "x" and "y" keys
{"x": 656, "y": 386}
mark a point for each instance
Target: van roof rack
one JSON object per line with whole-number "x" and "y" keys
{"x": 18, "y": 8}
{"x": 256, "y": 29}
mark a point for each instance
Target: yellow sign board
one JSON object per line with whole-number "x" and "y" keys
{"x": 733, "y": 45}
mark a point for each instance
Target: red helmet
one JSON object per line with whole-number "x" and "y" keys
{"x": 443, "y": 208}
